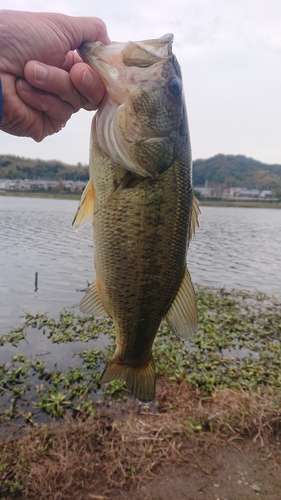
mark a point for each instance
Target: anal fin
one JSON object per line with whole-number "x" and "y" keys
{"x": 140, "y": 380}
{"x": 85, "y": 208}
{"x": 182, "y": 315}
{"x": 91, "y": 303}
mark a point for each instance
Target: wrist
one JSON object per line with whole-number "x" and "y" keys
{"x": 1, "y": 102}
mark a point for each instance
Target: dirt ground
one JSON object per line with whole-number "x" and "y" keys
{"x": 146, "y": 454}
{"x": 239, "y": 471}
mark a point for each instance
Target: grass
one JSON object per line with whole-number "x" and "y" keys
{"x": 63, "y": 459}
{"x": 224, "y": 383}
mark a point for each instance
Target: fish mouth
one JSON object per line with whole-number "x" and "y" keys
{"x": 131, "y": 72}
{"x": 141, "y": 54}
{"x": 118, "y": 61}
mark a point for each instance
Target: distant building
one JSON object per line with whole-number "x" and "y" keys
{"x": 39, "y": 185}
{"x": 4, "y": 183}
{"x": 205, "y": 192}
{"x": 266, "y": 193}
{"x": 248, "y": 193}
{"x": 230, "y": 192}
{"x": 245, "y": 193}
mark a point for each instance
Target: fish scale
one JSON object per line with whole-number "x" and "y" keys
{"x": 141, "y": 203}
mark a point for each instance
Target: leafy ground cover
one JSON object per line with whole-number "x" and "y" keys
{"x": 96, "y": 442}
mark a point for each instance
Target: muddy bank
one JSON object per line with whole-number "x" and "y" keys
{"x": 213, "y": 431}
{"x": 223, "y": 446}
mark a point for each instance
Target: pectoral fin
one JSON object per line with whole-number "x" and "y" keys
{"x": 91, "y": 303}
{"x": 115, "y": 190}
{"x": 182, "y": 315}
{"x": 194, "y": 217}
{"x": 140, "y": 380}
{"x": 85, "y": 209}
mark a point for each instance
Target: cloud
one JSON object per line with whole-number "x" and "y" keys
{"x": 230, "y": 58}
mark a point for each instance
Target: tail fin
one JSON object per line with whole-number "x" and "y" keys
{"x": 140, "y": 380}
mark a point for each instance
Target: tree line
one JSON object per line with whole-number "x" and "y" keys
{"x": 225, "y": 170}
{"x": 16, "y": 167}
{"x": 237, "y": 171}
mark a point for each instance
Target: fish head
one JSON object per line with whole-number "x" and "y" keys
{"x": 141, "y": 123}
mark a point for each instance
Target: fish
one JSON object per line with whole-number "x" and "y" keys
{"x": 140, "y": 200}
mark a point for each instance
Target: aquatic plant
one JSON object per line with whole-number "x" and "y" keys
{"x": 238, "y": 346}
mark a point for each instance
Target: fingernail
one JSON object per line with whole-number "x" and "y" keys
{"x": 87, "y": 78}
{"x": 40, "y": 72}
{"x": 23, "y": 85}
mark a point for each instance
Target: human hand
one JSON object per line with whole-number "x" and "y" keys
{"x": 44, "y": 80}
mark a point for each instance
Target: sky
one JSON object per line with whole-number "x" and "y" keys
{"x": 230, "y": 55}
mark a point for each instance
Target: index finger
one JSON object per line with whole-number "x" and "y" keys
{"x": 86, "y": 29}
{"x": 88, "y": 83}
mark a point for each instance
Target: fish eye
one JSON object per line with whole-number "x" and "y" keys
{"x": 175, "y": 86}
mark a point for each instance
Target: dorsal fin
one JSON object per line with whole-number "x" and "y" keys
{"x": 194, "y": 217}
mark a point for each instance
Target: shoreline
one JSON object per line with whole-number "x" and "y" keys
{"x": 240, "y": 204}
{"x": 210, "y": 403}
{"x": 203, "y": 203}
{"x": 26, "y": 194}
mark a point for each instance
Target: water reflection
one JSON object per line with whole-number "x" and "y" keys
{"x": 234, "y": 248}
{"x": 36, "y": 236}
{"x": 238, "y": 248}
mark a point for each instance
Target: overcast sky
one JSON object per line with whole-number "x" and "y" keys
{"x": 230, "y": 54}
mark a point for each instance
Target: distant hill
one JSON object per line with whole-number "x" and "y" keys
{"x": 226, "y": 170}
{"x": 15, "y": 167}
{"x": 236, "y": 171}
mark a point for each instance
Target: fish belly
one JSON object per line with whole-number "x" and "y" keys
{"x": 140, "y": 243}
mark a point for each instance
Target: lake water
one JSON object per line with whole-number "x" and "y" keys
{"x": 233, "y": 248}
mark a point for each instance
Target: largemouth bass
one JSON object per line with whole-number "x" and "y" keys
{"x": 140, "y": 199}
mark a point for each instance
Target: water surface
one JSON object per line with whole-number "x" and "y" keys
{"x": 233, "y": 248}
{"x": 238, "y": 248}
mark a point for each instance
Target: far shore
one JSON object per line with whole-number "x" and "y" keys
{"x": 29, "y": 194}
{"x": 209, "y": 202}
{"x": 240, "y": 203}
